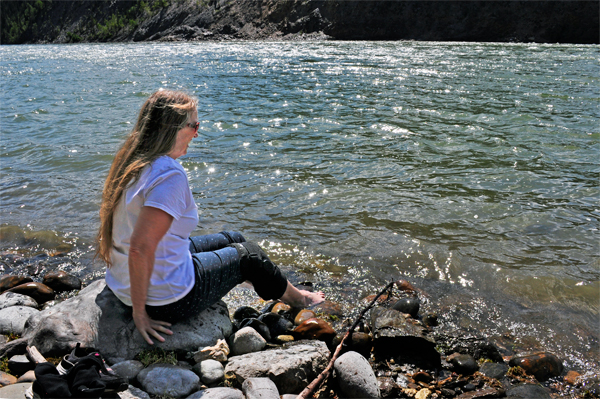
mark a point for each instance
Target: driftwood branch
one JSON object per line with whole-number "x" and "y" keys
{"x": 35, "y": 355}
{"x": 310, "y": 389}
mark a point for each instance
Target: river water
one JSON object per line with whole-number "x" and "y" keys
{"x": 470, "y": 169}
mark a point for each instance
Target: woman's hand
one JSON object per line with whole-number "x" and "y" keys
{"x": 146, "y": 326}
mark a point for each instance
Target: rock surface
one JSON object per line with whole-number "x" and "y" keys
{"x": 39, "y": 292}
{"x": 128, "y": 369}
{"x": 167, "y": 379}
{"x": 217, "y": 393}
{"x": 14, "y": 318}
{"x": 260, "y": 388}
{"x": 355, "y": 376}
{"x": 542, "y": 365}
{"x": 61, "y": 281}
{"x": 246, "y": 340}
{"x": 97, "y": 319}
{"x": 9, "y": 299}
{"x": 527, "y": 391}
{"x": 211, "y": 372}
{"x": 290, "y": 368}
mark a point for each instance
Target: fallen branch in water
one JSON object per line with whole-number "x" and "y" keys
{"x": 310, "y": 389}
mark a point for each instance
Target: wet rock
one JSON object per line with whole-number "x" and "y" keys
{"x": 39, "y": 292}
{"x": 282, "y": 339}
{"x": 329, "y": 308}
{"x": 388, "y": 387}
{"x": 430, "y": 320}
{"x": 211, "y": 372}
{"x": 61, "y": 281}
{"x": 260, "y": 388}
{"x": 29, "y": 376}
{"x": 9, "y": 299}
{"x": 167, "y": 379}
{"x": 405, "y": 286}
{"x": 355, "y": 376}
{"x": 463, "y": 363}
{"x": 314, "y": 329}
{"x": 281, "y": 307}
{"x": 494, "y": 370}
{"x": 246, "y": 340}
{"x": 359, "y": 342}
{"x": 246, "y": 312}
{"x": 482, "y": 394}
{"x": 408, "y": 305}
{"x": 259, "y": 326}
{"x": 277, "y": 324}
{"x": 422, "y": 376}
{"x": 218, "y": 352}
{"x": 97, "y": 319}
{"x": 217, "y": 393}
{"x": 8, "y": 282}
{"x": 572, "y": 377}
{"x": 13, "y": 319}
{"x": 133, "y": 393}
{"x": 7, "y": 379}
{"x": 128, "y": 369}
{"x": 395, "y": 336}
{"x": 527, "y": 391}
{"x": 20, "y": 364}
{"x": 291, "y": 368}
{"x": 542, "y": 365}
{"x": 592, "y": 386}
{"x": 478, "y": 347}
{"x": 304, "y": 315}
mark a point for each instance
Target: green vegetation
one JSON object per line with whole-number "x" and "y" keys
{"x": 156, "y": 355}
{"x": 19, "y": 16}
{"x": 4, "y": 365}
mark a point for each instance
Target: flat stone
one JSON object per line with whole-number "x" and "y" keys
{"x": 14, "y": 390}
{"x": 217, "y": 393}
{"x": 7, "y": 379}
{"x": 246, "y": 340}
{"x": 167, "y": 379}
{"x": 291, "y": 368}
{"x": 29, "y": 376}
{"x": 355, "y": 376}
{"x": 13, "y": 319}
{"x": 61, "y": 281}
{"x": 8, "y": 299}
{"x": 211, "y": 372}
{"x": 128, "y": 369}
{"x": 96, "y": 318}
{"x": 39, "y": 292}
{"x": 260, "y": 388}
{"x": 133, "y": 393}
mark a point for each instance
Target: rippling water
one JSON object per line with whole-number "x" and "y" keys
{"x": 471, "y": 167}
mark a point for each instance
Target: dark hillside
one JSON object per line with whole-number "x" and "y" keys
{"x": 148, "y": 20}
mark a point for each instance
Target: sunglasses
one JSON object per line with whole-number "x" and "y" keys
{"x": 194, "y": 125}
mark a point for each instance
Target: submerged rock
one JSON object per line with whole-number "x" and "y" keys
{"x": 355, "y": 376}
{"x": 39, "y": 292}
{"x": 494, "y": 370}
{"x": 408, "y": 305}
{"x": 527, "y": 391}
{"x": 314, "y": 329}
{"x": 542, "y": 365}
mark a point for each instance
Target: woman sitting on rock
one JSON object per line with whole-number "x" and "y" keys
{"x": 146, "y": 217}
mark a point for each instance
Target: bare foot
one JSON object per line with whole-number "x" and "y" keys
{"x": 301, "y": 298}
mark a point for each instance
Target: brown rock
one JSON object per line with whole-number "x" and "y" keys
{"x": 27, "y": 377}
{"x": 481, "y": 394}
{"x": 304, "y": 315}
{"x": 61, "y": 281}
{"x": 404, "y": 285}
{"x": 422, "y": 376}
{"x": 314, "y": 329}
{"x": 7, "y": 379}
{"x": 280, "y": 307}
{"x": 329, "y": 308}
{"x": 7, "y": 281}
{"x": 38, "y": 291}
{"x": 572, "y": 377}
{"x": 542, "y": 365}
{"x": 388, "y": 387}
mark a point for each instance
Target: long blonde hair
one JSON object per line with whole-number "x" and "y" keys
{"x": 155, "y": 132}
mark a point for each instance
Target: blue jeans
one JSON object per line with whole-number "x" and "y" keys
{"x": 222, "y": 261}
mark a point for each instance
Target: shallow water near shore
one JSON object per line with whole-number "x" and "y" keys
{"x": 469, "y": 169}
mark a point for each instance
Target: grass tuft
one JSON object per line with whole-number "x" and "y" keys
{"x": 156, "y": 355}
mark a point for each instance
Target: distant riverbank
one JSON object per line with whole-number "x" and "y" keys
{"x": 217, "y": 20}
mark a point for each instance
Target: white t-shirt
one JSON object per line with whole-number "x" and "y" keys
{"x": 164, "y": 185}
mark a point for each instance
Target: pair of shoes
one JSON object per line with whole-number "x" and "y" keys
{"x": 114, "y": 382}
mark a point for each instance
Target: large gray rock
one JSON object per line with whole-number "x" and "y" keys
{"x": 217, "y": 393}
{"x": 355, "y": 376}
{"x": 13, "y": 319}
{"x": 167, "y": 379}
{"x": 260, "y": 388}
{"x": 9, "y": 299}
{"x": 246, "y": 340}
{"x": 96, "y": 318}
{"x": 291, "y": 368}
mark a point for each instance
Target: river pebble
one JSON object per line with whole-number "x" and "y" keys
{"x": 246, "y": 340}
{"x": 39, "y": 292}
{"x": 314, "y": 329}
{"x": 10, "y": 281}
{"x": 408, "y": 305}
{"x": 167, "y": 379}
{"x": 542, "y": 365}
{"x": 494, "y": 370}
{"x": 8, "y": 299}
{"x": 211, "y": 372}
{"x": 463, "y": 363}
{"x": 128, "y": 369}
{"x": 527, "y": 391}
{"x": 355, "y": 376}
{"x": 217, "y": 393}
{"x": 260, "y": 388}
{"x": 61, "y": 281}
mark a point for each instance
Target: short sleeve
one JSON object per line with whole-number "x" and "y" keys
{"x": 170, "y": 192}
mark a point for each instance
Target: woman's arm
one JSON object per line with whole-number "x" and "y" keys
{"x": 150, "y": 228}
